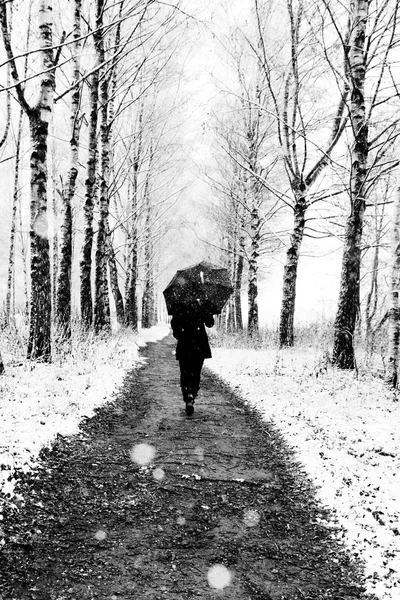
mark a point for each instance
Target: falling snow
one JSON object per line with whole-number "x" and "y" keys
{"x": 142, "y": 454}
{"x": 158, "y": 474}
{"x": 251, "y": 518}
{"x": 100, "y": 535}
{"x": 219, "y": 577}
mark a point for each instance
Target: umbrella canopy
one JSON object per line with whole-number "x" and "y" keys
{"x": 203, "y": 287}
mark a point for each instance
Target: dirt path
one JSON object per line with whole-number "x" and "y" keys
{"x": 222, "y": 489}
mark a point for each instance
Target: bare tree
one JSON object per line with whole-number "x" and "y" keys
{"x": 39, "y": 342}
{"x": 86, "y": 298}
{"x": 375, "y": 299}
{"x": 148, "y": 287}
{"x": 132, "y": 242}
{"x": 11, "y": 256}
{"x": 63, "y": 292}
{"x": 303, "y": 159}
{"x": 372, "y": 37}
{"x": 244, "y": 150}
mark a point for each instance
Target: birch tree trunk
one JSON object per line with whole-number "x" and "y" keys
{"x": 252, "y": 292}
{"x": 131, "y": 306}
{"x": 63, "y": 293}
{"x": 23, "y": 243}
{"x": 148, "y": 301}
{"x": 238, "y": 293}
{"x": 11, "y": 255}
{"x": 392, "y": 364}
{"x": 372, "y": 296}
{"x": 86, "y": 298}
{"x": 231, "y": 266}
{"x": 148, "y": 290}
{"x": 349, "y": 294}
{"x": 286, "y": 324}
{"x": 114, "y": 281}
{"x": 239, "y": 269}
{"x": 55, "y": 193}
{"x": 101, "y": 312}
{"x": 39, "y": 342}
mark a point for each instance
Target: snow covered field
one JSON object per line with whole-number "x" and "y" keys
{"x": 345, "y": 431}
{"x": 344, "y": 428}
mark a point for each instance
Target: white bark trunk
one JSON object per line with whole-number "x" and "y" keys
{"x": 391, "y": 375}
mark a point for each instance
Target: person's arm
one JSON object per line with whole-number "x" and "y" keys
{"x": 175, "y": 327}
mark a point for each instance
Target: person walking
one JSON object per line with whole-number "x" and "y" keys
{"x": 191, "y": 350}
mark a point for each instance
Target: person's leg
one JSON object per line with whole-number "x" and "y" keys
{"x": 196, "y": 372}
{"x": 186, "y": 378}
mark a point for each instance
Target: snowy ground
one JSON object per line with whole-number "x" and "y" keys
{"x": 37, "y": 401}
{"x": 345, "y": 431}
{"x": 344, "y": 428}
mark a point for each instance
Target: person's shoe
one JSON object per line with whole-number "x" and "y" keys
{"x": 189, "y": 405}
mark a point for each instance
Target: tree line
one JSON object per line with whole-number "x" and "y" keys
{"x": 304, "y": 138}
{"x": 310, "y": 135}
{"x": 95, "y": 83}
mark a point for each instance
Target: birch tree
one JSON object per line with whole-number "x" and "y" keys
{"x": 392, "y": 364}
{"x": 131, "y": 302}
{"x": 244, "y": 141}
{"x": 63, "y": 291}
{"x": 378, "y": 225}
{"x": 10, "y": 295}
{"x": 370, "y": 80}
{"x": 39, "y": 342}
{"x": 304, "y": 160}
{"x": 86, "y": 298}
{"x": 148, "y": 287}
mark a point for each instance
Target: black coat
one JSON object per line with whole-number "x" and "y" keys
{"x": 192, "y": 337}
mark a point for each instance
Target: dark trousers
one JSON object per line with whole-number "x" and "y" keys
{"x": 190, "y": 375}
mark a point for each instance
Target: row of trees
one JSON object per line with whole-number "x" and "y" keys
{"x": 96, "y": 81}
{"x": 305, "y": 138}
{"x": 312, "y": 132}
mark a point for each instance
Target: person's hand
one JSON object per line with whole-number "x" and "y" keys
{"x": 209, "y": 320}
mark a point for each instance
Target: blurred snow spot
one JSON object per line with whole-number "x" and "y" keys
{"x": 219, "y": 577}
{"x": 40, "y": 226}
{"x": 100, "y": 535}
{"x": 158, "y": 474}
{"x": 199, "y": 452}
{"x": 251, "y": 518}
{"x": 181, "y": 520}
{"x": 142, "y": 454}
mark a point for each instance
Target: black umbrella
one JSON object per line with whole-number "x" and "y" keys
{"x": 200, "y": 288}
